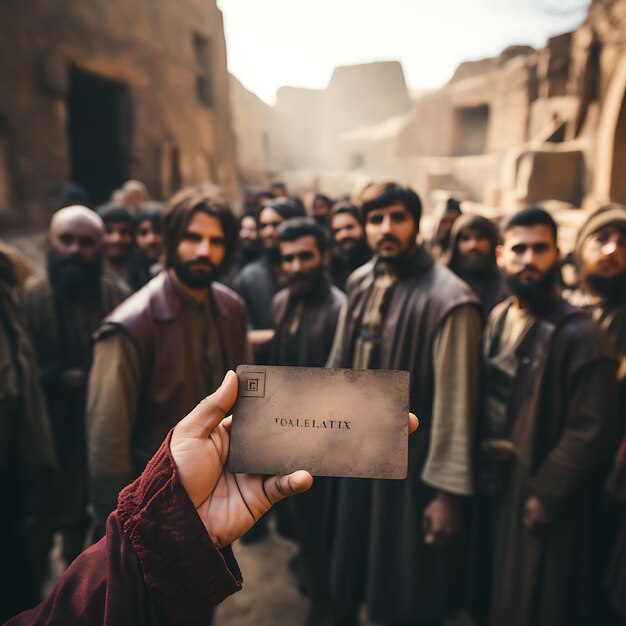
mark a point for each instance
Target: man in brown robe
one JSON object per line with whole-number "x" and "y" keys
{"x": 600, "y": 254}
{"x": 305, "y": 316}
{"x": 397, "y": 543}
{"x": 165, "y": 348}
{"x": 26, "y": 453}
{"x": 472, "y": 256}
{"x": 548, "y": 421}
{"x": 63, "y": 308}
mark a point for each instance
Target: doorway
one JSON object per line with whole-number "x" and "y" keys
{"x": 99, "y": 133}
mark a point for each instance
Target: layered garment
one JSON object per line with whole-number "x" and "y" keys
{"x": 156, "y": 356}
{"x": 61, "y": 330}
{"x": 551, "y": 395}
{"x": 423, "y": 319}
{"x": 305, "y": 329}
{"x": 26, "y": 458}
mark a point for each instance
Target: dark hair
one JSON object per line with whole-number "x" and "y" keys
{"x": 453, "y": 206}
{"x": 532, "y": 216}
{"x": 382, "y": 195}
{"x": 285, "y": 207}
{"x": 114, "y": 213}
{"x": 298, "y": 227}
{"x": 278, "y": 183}
{"x": 345, "y": 206}
{"x": 180, "y": 209}
{"x": 323, "y": 198}
{"x": 152, "y": 211}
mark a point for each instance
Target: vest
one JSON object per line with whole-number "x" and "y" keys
{"x": 150, "y": 318}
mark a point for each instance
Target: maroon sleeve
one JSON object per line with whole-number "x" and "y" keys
{"x": 155, "y": 560}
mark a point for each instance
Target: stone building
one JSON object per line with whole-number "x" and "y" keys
{"x": 528, "y": 126}
{"x": 98, "y": 92}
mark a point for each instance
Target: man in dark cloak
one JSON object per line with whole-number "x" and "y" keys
{"x": 26, "y": 454}
{"x": 63, "y": 308}
{"x": 258, "y": 281}
{"x": 305, "y": 315}
{"x": 548, "y": 422}
{"x": 600, "y": 255}
{"x": 472, "y": 256}
{"x": 350, "y": 249}
{"x": 397, "y": 543}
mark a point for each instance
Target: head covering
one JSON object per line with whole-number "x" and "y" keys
{"x": 464, "y": 222}
{"x": 610, "y": 215}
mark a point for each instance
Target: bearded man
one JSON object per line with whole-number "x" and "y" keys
{"x": 549, "y": 421}
{"x": 63, "y": 308}
{"x": 397, "y": 543}
{"x": 166, "y": 347}
{"x": 600, "y": 254}
{"x": 472, "y": 257}
{"x": 350, "y": 249}
{"x": 305, "y": 316}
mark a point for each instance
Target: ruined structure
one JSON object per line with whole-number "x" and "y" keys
{"x": 529, "y": 126}
{"x": 98, "y": 92}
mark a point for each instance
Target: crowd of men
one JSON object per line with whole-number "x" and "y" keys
{"x": 514, "y": 508}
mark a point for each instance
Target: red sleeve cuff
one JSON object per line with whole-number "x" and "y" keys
{"x": 183, "y": 571}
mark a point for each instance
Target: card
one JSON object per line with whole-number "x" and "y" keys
{"x": 331, "y": 422}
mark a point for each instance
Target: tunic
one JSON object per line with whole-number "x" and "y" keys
{"x": 552, "y": 395}
{"x": 428, "y": 322}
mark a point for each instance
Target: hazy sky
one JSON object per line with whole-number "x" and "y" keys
{"x": 272, "y": 43}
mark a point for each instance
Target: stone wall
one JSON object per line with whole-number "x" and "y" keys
{"x": 163, "y": 65}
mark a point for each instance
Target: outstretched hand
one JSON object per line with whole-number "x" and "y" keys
{"x": 228, "y": 504}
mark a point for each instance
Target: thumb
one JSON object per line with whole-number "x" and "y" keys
{"x": 211, "y": 411}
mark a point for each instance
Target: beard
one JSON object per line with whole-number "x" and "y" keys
{"x": 74, "y": 277}
{"x": 190, "y": 276}
{"x": 306, "y": 285}
{"x": 536, "y": 291}
{"x": 608, "y": 288}
{"x": 476, "y": 265}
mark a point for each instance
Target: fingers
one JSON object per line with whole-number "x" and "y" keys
{"x": 278, "y": 488}
{"x": 211, "y": 411}
{"x": 413, "y": 423}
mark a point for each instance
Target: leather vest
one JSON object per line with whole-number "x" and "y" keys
{"x": 423, "y": 297}
{"x": 151, "y": 318}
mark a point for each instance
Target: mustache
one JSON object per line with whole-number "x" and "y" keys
{"x": 200, "y": 262}
{"x": 389, "y": 239}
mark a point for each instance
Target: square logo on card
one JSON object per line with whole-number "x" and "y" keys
{"x": 252, "y": 385}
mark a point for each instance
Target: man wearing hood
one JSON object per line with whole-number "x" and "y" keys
{"x": 472, "y": 256}
{"x": 600, "y": 254}
{"x": 165, "y": 348}
{"x": 63, "y": 308}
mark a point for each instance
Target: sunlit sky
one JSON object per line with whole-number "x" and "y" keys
{"x": 272, "y": 43}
